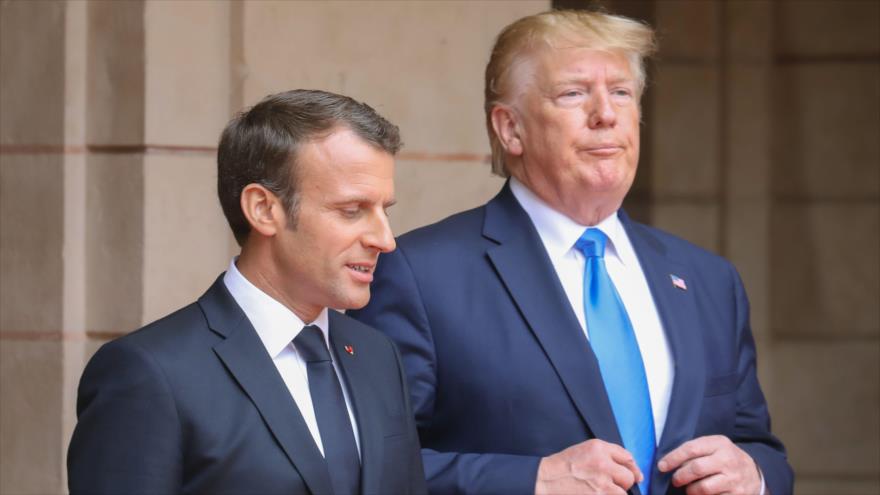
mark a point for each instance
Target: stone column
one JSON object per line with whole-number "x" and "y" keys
{"x": 111, "y": 112}
{"x": 824, "y": 266}
{"x": 32, "y": 183}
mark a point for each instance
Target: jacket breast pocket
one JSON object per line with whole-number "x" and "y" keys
{"x": 718, "y": 413}
{"x": 721, "y": 385}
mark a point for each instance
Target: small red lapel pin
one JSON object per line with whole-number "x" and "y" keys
{"x": 349, "y": 349}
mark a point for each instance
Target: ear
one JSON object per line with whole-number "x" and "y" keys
{"x": 506, "y": 126}
{"x": 262, "y": 209}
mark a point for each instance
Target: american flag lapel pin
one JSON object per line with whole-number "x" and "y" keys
{"x": 349, "y": 349}
{"x": 678, "y": 282}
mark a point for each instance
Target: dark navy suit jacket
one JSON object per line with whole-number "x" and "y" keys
{"x": 193, "y": 404}
{"x": 501, "y": 373}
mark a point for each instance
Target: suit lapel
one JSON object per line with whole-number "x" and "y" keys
{"x": 680, "y": 319}
{"x": 528, "y": 274}
{"x": 246, "y": 358}
{"x": 367, "y": 409}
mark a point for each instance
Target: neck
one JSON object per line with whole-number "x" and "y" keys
{"x": 254, "y": 264}
{"x": 584, "y": 209}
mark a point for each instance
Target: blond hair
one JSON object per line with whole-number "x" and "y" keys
{"x": 596, "y": 30}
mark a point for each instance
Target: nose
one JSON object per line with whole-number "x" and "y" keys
{"x": 601, "y": 111}
{"x": 380, "y": 236}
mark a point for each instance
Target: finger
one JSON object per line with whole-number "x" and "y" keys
{"x": 697, "y": 447}
{"x": 713, "y": 485}
{"x": 623, "y": 477}
{"x": 624, "y": 458}
{"x": 696, "y": 469}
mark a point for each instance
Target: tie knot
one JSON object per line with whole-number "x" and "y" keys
{"x": 311, "y": 345}
{"x": 592, "y": 243}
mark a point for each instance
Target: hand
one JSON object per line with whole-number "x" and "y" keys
{"x": 710, "y": 465}
{"x": 593, "y": 466}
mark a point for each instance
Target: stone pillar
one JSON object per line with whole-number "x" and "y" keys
{"x": 187, "y": 242}
{"x": 764, "y": 120}
{"x": 111, "y": 112}
{"x": 685, "y": 124}
{"x": 32, "y": 183}
{"x": 824, "y": 266}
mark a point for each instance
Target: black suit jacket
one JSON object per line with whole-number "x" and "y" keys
{"x": 193, "y": 404}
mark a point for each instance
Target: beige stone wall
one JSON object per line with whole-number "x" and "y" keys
{"x": 32, "y": 40}
{"x": 760, "y": 143}
{"x": 110, "y": 116}
{"x": 763, "y": 127}
{"x": 825, "y": 240}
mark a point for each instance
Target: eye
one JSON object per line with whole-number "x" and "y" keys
{"x": 387, "y": 207}
{"x": 571, "y": 97}
{"x": 571, "y": 93}
{"x": 622, "y": 92}
{"x": 350, "y": 212}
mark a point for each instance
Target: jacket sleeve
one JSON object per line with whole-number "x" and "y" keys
{"x": 128, "y": 437}
{"x": 752, "y": 429}
{"x": 397, "y": 309}
{"x": 416, "y": 472}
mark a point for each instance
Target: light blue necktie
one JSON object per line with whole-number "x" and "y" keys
{"x": 614, "y": 343}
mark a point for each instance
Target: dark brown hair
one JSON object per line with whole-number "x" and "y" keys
{"x": 259, "y": 145}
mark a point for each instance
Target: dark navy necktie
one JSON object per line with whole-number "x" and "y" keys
{"x": 334, "y": 424}
{"x": 620, "y": 361}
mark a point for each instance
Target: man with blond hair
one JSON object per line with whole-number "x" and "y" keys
{"x": 552, "y": 344}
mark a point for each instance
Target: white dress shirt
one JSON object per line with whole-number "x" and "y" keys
{"x": 277, "y": 326}
{"x": 559, "y": 233}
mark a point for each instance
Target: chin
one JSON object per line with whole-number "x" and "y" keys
{"x": 607, "y": 189}
{"x": 356, "y": 302}
{"x": 617, "y": 181}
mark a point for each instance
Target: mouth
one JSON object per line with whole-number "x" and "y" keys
{"x": 604, "y": 150}
{"x": 362, "y": 272}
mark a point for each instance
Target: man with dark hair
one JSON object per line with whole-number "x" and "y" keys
{"x": 552, "y": 344}
{"x": 258, "y": 387}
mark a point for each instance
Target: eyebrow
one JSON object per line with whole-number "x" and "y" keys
{"x": 361, "y": 200}
{"x": 583, "y": 80}
{"x": 621, "y": 79}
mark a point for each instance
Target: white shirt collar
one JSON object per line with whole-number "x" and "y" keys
{"x": 275, "y": 324}
{"x": 559, "y": 232}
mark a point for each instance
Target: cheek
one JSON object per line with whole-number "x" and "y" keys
{"x": 635, "y": 150}
{"x": 632, "y": 128}
{"x": 558, "y": 121}
{"x": 560, "y": 136}
{"x": 342, "y": 241}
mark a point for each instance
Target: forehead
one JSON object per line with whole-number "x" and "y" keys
{"x": 558, "y": 64}
{"x": 341, "y": 156}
